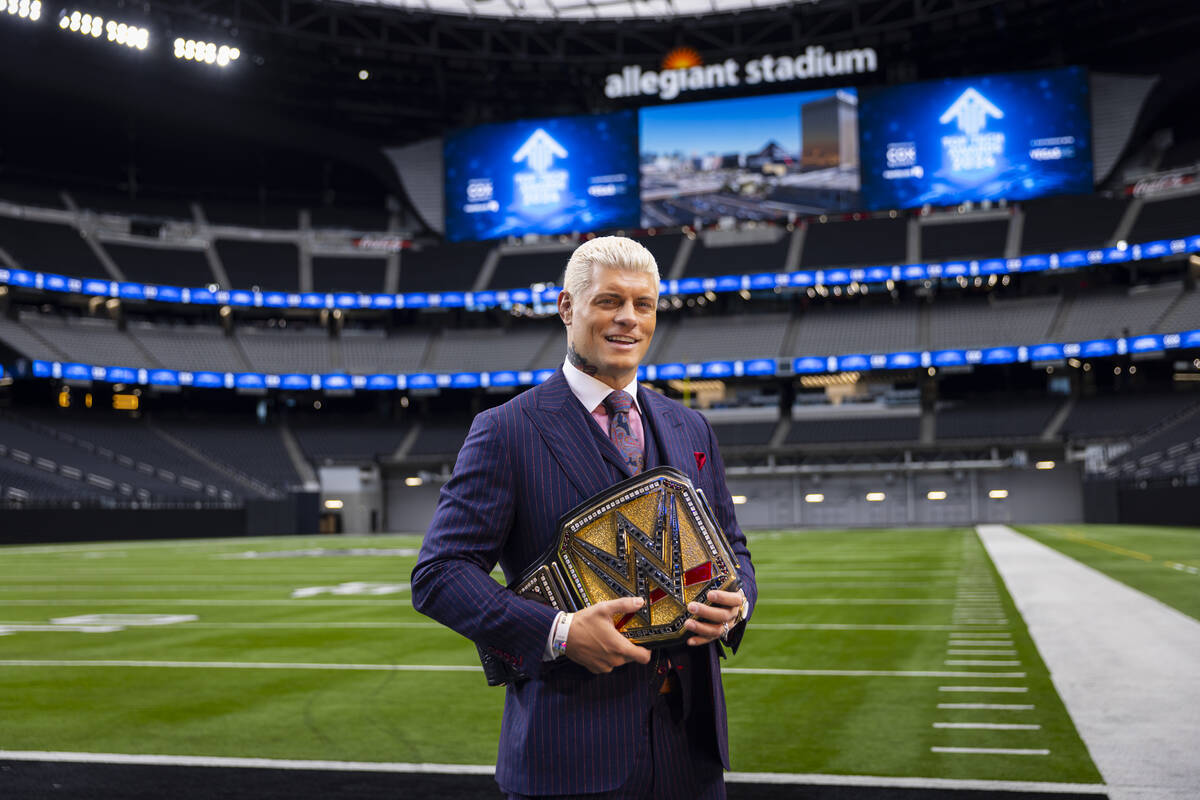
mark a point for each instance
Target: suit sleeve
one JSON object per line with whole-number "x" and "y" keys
{"x": 722, "y": 503}
{"x": 451, "y": 581}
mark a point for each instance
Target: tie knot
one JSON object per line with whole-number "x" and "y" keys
{"x": 618, "y": 403}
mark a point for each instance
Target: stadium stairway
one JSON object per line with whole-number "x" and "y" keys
{"x": 253, "y": 484}
{"x": 928, "y": 429}
{"x": 304, "y": 469}
{"x": 1056, "y": 422}
{"x": 679, "y": 266}
{"x": 58, "y": 451}
{"x": 406, "y": 445}
{"x": 1061, "y": 315}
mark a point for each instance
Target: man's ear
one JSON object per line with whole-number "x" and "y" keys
{"x": 564, "y": 307}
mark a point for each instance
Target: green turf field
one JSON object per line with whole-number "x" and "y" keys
{"x": 1162, "y": 562}
{"x": 849, "y": 665}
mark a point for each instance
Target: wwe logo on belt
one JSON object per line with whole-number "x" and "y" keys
{"x": 642, "y": 565}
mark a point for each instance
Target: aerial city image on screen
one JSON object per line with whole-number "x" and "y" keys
{"x": 752, "y": 158}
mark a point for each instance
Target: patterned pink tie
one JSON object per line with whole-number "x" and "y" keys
{"x": 620, "y": 431}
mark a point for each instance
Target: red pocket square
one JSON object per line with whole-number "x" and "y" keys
{"x": 700, "y": 459}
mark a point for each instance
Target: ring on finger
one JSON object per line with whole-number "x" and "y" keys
{"x": 724, "y": 628}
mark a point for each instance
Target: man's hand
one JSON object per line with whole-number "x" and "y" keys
{"x": 714, "y": 621}
{"x": 594, "y": 642}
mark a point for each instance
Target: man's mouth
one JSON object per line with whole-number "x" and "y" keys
{"x": 622, "y": 340}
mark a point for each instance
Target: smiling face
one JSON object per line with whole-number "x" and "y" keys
{"x": 611, "y": 323}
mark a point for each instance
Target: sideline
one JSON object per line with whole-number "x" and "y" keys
{"x": 1123, "y": 663}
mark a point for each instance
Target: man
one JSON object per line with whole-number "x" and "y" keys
{"x": 597, "y": 715}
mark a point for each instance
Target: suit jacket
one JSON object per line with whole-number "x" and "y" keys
{"x": 523, "y": 465}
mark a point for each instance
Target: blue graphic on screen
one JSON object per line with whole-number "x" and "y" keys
{"x": 542, "y": 176}
{"x": 1012, "y": 136}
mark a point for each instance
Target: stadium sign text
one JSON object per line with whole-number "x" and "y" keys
{"x": 667, "y": 84}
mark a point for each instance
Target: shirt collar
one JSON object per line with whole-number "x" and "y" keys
{"x": 591, "y": 392}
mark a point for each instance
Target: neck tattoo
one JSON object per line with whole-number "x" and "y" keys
{"x": 580, "y": 363}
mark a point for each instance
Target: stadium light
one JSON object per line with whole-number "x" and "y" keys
{"x": 334, "y": 505}
{"x": 998, "y": 494}
{"x": 24, "y": 9}
{"x": 211, "y": 53}
{"x": 876, "y": 497}
{"x": 815, "y": 497}
{"x": 738, "y": 499}
{"x": 363, "y": 74}
{"x": 86, "y": 24}
{"x": 1044, "y": 465}
{"x": 936, "y": 495}
{"x": 415, "y": 480}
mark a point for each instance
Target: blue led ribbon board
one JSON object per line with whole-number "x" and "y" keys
{"x": 1011, "y": 136}
{"x": 558, "y": 175}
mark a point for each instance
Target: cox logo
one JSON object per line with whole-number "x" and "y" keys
{"x": 479, "y": 189}
{"x": 901, "y": 154}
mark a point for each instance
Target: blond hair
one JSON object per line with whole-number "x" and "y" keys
{"x": 609, "y": 252}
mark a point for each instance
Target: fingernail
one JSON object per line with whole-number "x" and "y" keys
{"x": 694, "y": 608}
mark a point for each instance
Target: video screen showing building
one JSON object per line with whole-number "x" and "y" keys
{"x": 773, "y": 157}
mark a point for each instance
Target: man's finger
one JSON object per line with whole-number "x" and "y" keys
{"x": 639, "y": 654}
{"x": 619, "y": 605}
{"x": 705, "y": 628}
{"x": 731, "y": 599}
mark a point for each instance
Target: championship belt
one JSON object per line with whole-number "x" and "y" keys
{"x": 651, "y": 536}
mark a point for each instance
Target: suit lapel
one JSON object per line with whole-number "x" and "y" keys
{"x": 668, "y": 427}
{"x": 564, "y": 427}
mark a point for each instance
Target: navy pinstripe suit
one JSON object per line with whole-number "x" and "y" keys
{"x": 523, "y": 465}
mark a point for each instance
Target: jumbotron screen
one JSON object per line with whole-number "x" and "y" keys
{"x": 1011, "y": 136}
{"x": 749, "y": 158}
{"x": 543, "y": 176}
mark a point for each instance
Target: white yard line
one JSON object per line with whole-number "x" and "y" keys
{"x": 984, "y": 635}
{"x": 94, "y": 602}
{"x": 846, "y": 626}
{"x": 994, "y": 751}
{"x": 1123, "y": 663}
{"x": 855, "y": 601}
{"x": 986, "y": 706}
{"x": 282, "y": 625}
{"x": 282, "y": 665}
{"x": 278, "y": 665}
{"x": 868, "y": 673}
{"x": 847, "y": 584}
{"x": 988, "y": 726}
{"x": 1015, "y": 689}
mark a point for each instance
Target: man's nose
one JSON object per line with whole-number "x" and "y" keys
{"x": 626, "y": 314}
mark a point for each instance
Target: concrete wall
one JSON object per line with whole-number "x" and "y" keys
{"x": 1033, "y": 496}
{"x": 360, "y": 489}
{"x": 409, "y": 508}
{"x": 778, "y": 501}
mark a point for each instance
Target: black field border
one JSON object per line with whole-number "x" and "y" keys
{"x": 44, "y": 776}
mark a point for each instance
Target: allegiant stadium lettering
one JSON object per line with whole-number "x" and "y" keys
{"x": 667, "y": 84}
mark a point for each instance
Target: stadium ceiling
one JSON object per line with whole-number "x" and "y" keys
{"x": 430, "y": 71}
{"x": 578, "y": 9}
{"x": 298, "y": 81}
